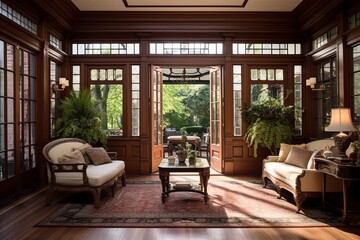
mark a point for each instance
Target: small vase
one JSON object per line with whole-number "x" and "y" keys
{"x": 192, "y": 160}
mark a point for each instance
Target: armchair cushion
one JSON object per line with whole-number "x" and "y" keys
{"x": 72, "y": 157}
{"x": 298, "y": 157}
{"x": 98, "y": 175}
{"x": 98, "y": 155}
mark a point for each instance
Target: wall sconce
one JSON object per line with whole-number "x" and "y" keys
{"x": 312, "y": 82}
{"x": 341, "y": 122}
{"x": 63, "y": 82}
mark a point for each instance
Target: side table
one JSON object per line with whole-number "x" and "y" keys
{"x": 345, "y": 171}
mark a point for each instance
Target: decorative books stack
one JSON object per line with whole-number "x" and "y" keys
{"x": 182, "y": 185}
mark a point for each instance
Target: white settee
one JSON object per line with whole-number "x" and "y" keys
{"x": 71, "y": 168}
{"x": 287, "y": 171}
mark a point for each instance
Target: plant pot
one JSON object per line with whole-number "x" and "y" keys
{"x": 192, "y": 160}
{"x": 182, "y": 154}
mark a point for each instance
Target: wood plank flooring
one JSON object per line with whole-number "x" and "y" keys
{"x": 17, "y": 220}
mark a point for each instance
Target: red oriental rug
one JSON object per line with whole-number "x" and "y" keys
{"x": 234, "y": 203}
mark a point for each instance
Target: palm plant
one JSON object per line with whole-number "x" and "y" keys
{"x": 81, "y": 119}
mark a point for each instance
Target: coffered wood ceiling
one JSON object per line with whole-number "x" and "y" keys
{"x": 188, "y": 5}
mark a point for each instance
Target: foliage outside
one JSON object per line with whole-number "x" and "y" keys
{"x": 269, "y": 124}
{"x": 81, "y": 119}
{"x": 186, "y": 105}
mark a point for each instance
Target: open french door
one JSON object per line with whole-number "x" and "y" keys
{"x": 157, "y": 117}
{"x": 216, "y": 118}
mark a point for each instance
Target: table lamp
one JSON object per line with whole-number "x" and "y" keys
{"x": 341, "y": 122}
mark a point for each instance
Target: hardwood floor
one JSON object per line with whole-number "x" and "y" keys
{"x": 17, "y": 220}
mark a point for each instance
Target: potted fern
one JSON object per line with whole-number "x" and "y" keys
{"x": 81, "y": 119}
{"x": 269, "y": 125}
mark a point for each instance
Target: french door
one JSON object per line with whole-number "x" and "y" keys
{"x": 216, "y": 105}
{"x": 18, "y": 166}
{"x": 157, "y": 117}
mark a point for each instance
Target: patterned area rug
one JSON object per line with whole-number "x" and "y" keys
{"x": 232, "y": 203}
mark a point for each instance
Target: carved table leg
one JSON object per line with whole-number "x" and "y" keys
{"x": 205, "y": 178}
{"x": 164, "y": 177}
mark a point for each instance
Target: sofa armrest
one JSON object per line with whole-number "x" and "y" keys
{"x": 112, "y": 155}
{"x": 68, "y": 167}
{"x": 271, "y": 158}
{"x": 311, "y": 180}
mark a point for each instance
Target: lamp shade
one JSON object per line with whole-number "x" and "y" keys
{"x": 341, "y": 121}
{"x": 311, "y": 81}
{"x": 64, "y": 82}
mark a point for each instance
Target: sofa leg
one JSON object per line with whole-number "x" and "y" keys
{"x": 113, "y": 188}
{"x": 280, "y": 194}
{"x": 123, "y": 179}
{"x": 96, "y": 192}
{"x": 264, "y": 182}
{"x": 299, "y": 199}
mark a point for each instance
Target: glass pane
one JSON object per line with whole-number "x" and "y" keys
{"x": 11, "y": 163}
{"x": 2, "y": 83}
{"x": 112, "y": 106}
{"x": 2, "y": 137}
{"x": 2, "y": 54}
{"x": 357, "y": 83}
{"x": 10, "y": 84}
{"x": 10, "y": 57}
{"x": 279, "y": 74}
{"x": 262, "y": 92}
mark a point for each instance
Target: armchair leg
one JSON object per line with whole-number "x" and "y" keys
{"x": 113, "y": 188}
{"x": 123, "y": 179}
{"x": 96, "y": 192}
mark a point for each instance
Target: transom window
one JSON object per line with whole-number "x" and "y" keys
{"x": 186, "y": 48}
{"x": 17, "y": 18}
{"x": 325, "y": 38}
{"x": 105, "y": 48}
{"x": 354, "y": 20}
{"x": 267, "y": 74}
{"x": 267, "y": 83}
{"x": 55, "y": 42}
{"x": 266, "y": 48}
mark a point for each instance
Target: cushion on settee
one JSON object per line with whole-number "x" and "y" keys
{"x": 72, "y": 157}
{"x": 285, "y": 150}
{"x": 82, "y": 149}
{"x": 98, "y": 155}
{"x": 298, "y": 157}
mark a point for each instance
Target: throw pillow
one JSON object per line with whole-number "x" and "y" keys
{"x": 82, "y": 150}
{"x": 298, "y": 157}
{"x": 72, "y": 157}
{"x": 98, "y": 155}
{"x": 285, "y": 149}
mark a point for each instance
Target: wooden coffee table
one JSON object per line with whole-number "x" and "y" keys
{"x": 202, "y": 167}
